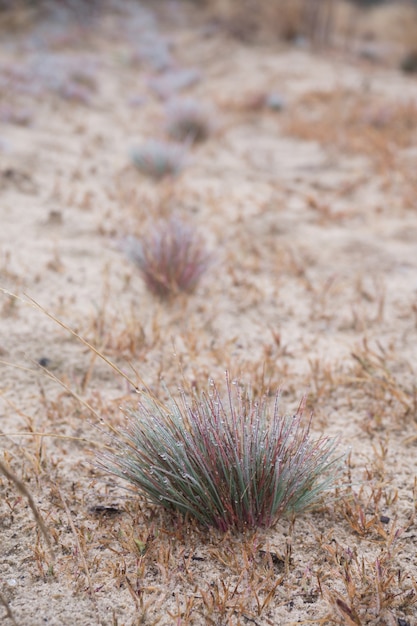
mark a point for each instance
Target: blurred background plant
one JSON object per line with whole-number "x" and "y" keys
{"x": 305, "y": 22}
{"x": 171, "y": 256}
{"x": 188, "y": 120}
{"x": 224, "y": 459}
{"x": 318, "y": 22}
{"x": 159, "y": 159}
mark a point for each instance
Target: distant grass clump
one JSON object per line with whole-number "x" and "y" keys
{"x": 228, "y": 461}
{"x": 171, "y": 257}
{"x": 188, "y": 120}
{"x": 159, "y": 159}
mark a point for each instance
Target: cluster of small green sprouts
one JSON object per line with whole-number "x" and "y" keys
{"x": 223, "y": 458}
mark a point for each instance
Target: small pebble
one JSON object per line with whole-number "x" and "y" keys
{"x": 44, "y": 361}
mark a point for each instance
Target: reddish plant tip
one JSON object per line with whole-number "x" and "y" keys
{"x": 226, "y": 460}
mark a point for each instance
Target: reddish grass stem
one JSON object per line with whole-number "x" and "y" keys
{"x": 224, "y": 459}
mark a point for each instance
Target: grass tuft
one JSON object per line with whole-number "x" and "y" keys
{"x": 188, "y": 120}
{"x": 224, "y": 459}
{"x": 171, "y": 257}
{"x": 159, "y": 159}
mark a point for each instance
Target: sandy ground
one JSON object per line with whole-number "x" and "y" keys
{"x": 310, "y": 216}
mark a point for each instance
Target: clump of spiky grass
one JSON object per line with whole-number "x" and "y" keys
{"x": 159, "y": 159}
{"x": 171, "y": 257}
{"x": 228, "y": 461}
{"x": 188, "y": 120}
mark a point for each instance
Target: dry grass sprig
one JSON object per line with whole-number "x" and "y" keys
{"x": 21, "y": 487}
{"x": 9, "y": 613}
{"x": 224, "y": 459}
{"x": 80, "y": 551}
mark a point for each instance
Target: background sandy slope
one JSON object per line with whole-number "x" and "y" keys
{"x": 310, "y": 215}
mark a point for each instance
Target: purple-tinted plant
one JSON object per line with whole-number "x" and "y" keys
{"x": 154, "y": 50}
{"x": 188, "y": 120}
{"x": 226, "y": 460}
{"x": 171, "y": 258}
{"x": 159, "y": 159}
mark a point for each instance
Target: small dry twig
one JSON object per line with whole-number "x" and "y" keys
{"x": 25, "y": 492}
